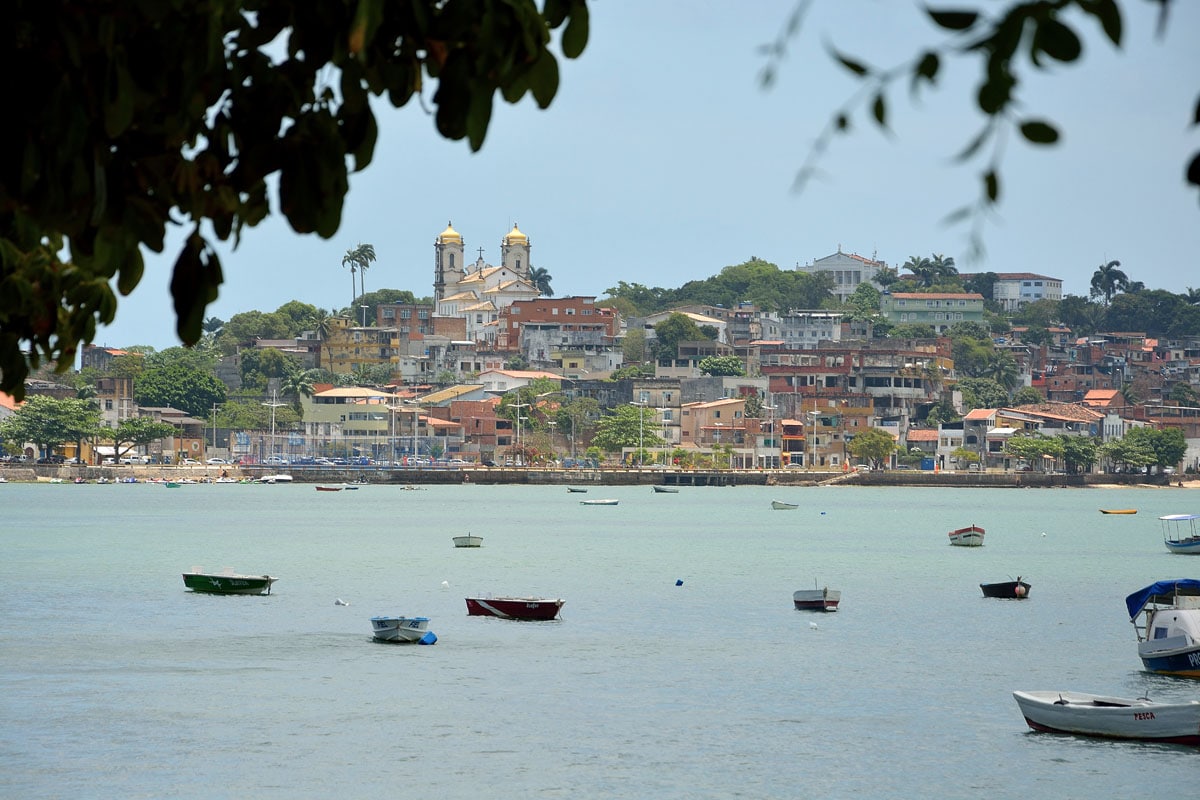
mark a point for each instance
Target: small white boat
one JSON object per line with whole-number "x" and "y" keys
{"x": 1111, "y": 717}
{"x": 281, "y": 478}
{"x": 400, "y": 629}
{"x": 1180, "y": 534}
{"x": 779, "y": 505}
{"x": 468, "y": 541}
{"x": 970, "y": 536}
{"x": 607, "y": 502}
{"x": 665, "y": 490}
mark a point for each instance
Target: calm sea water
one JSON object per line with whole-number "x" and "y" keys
{"x": 117, "y": 682}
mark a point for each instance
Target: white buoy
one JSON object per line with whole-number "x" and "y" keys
{"x": 1043, "y": 533}
{"x": 812, "y": 625}
{"x": 445, "y": 584}
{"x": 340, "y": 602}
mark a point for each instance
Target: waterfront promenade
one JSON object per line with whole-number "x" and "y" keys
{"x": 619, "y": 476}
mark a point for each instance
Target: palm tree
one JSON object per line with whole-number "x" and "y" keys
{"x": 1130, "y": 394}
{"x": 212, "y": 325}
{"x": 358, "y": 259}
{"x": 1002, "y": 368}
{"x": 921, "y": 268}
{"x": 943, "y": 267}
{"x": 1108, "y": 279}
{"x": 541, "y": 278}
{"x": 1192, "y": 297}
{"x": 298, "y": 383}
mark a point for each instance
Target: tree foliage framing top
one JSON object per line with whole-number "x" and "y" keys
{"x": 1006, "y": 40}
{"x": 127, "y": 117}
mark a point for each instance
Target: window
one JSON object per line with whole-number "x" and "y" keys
{"x": 108, "y": 405}
{"x": 404, "y": 313}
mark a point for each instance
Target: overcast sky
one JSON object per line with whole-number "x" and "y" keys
{"x": 663, "y": 160}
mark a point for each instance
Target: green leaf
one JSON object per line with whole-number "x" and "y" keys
{"x": 850, "y": 64}
{"x": 879, "y": 110}
{"x": 543, "y": 79}
{"x": 1193, "y": 171}
{"x": 1039, "y": 132}
{"x": 575, "y": 35}
{"x": 1109, "y": 14}
{"x": 991, "y": 185}
{"x": 1057, "y": 41}
{"x": 193, "y": 286}
{"x": 952, "y": 20}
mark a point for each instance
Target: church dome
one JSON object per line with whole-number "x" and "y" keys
{"x": 515, "y": 236}
{"x": 449, "y": 235}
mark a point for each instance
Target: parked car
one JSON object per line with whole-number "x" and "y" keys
{"x": 191, "y": 462}
{"x": 216, "y": 461}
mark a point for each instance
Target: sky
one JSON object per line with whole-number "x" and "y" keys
{"x": 663, "y": 160}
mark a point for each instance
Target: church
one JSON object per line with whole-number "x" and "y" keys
{"x": 478, "y": 291}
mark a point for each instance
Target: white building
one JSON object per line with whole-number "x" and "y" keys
{"x": 1012, "y": 290}
{"x": 848, "y": 271}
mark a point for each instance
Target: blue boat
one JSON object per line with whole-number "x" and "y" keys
{"x": 1166, "y": 617}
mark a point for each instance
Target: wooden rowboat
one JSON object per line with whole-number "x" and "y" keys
{"x": 1118, "y": 511}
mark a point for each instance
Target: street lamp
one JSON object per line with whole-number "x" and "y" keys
{"x": 641, "y": 407}
{"x": 773, "y": 448}
{"x": 813, "y": 436}
{"x": 518, "y": 407}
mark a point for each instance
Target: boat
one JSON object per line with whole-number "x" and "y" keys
{"x": 1180, "y": 534}
{"x": 666, "y": 490}
{"x": 227, "y": 582}
{"x": 402, "y": 629}
{"x": 1111, "y": 717}
{"x": 970, "y": 536}
{"x": 468, "y": 541}
{"x": 523, "y": 608}
{"x": 1166, "y": 618}
{"x": 280, "y": 478}
{"x": 1118, "y": 511}
{"x": 824, "y": 599}
{"x": 576, "y": 490}
{"x": 605, "y": 502}
{"x": 1008, "y": 590}
{"x": 350, "y": 487}
{"x": 330, "y": 488}
{"x": 779, "y": 505}
{"x": 172, "y": 484}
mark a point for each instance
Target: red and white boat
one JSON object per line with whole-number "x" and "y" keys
{"x": 526, "y": 608}
{"x": 824, "y": 599}
{"x": 970, "y": 536}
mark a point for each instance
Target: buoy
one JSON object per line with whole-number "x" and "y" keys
{"x": 340, "y": 602}
{"x": 445, "y": 584}
{"x": 679, "y": 582}
{"x": 812, "y": 625}
{"x": 1043, "y": 533}
{"x": 429, "y": 638}
{"x": 1020, "y": 590}
{"x": 822, "y": 513}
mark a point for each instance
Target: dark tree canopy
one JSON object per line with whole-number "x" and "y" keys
{"x": 127, "y": 117}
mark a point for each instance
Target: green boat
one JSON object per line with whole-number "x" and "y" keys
{"x": 228, "y": 583}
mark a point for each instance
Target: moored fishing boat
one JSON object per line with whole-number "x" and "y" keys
{"x": 402, "y": 630}
{"x": 1111, "y": 717}
{"x": 779, "y": 505}
{"x": 970, "y": 536}
{"x": 604, "y": 502}
{"x": 1006, "y": 590}
{"x": 523, "y": 608}
{"x": 1118, "y": 511}
{"x": 227, "y": 582}
{"x": 468, "y": 541}
{"x": 823, "y": 599}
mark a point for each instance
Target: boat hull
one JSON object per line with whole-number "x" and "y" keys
{"x": 1185, "y": 547}
{"x": 468, "y": 541}
{"x": 399, "y": 629}
{"x": 1111, "y": 717}
{"x": 665, "y": 490}
{"x": 1118, "y": 511}
{"x": 598, "y": 502}
{"x": 1006, "y": 590}
{"x": 779, "y": 505}
{"x": 208, "y": 583}
{"x": 971, "y": 536}
{"x": 817, "y": 599}
{"x": 1183, "y": 662}
{"x": 523, "y": 608}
